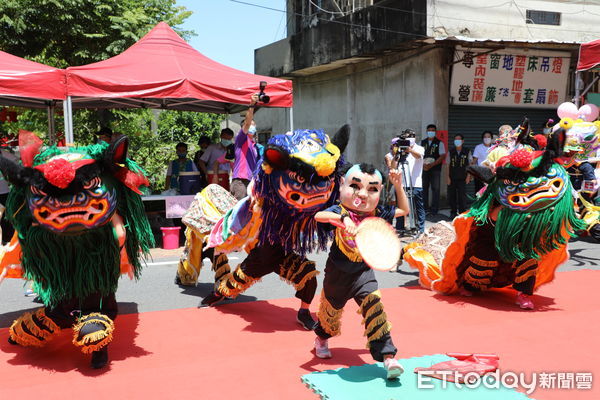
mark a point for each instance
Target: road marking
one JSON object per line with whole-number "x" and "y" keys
{"x": 154, "y": 264}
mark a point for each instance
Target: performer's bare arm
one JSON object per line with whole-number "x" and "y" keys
{"x": 402, "y": 201}
{"x": 328, "y": 217}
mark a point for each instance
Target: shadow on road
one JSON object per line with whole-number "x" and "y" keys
{"x": 263, "y": 317}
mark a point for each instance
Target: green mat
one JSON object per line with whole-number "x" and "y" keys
{"x": 368, "y": 382}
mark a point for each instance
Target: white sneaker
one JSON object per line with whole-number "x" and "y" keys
{"x": 322, "y": 348}
{"x": 393, "y": 367}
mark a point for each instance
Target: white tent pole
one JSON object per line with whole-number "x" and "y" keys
{"x": 291, "y": 119}
{"x": 69, "y": 136}
{"x": 66, "y": 119}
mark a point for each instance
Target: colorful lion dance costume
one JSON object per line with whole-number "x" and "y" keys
{"x": 80, "y": 223}
{"x": 516, "y": 232}
{"x": 275, "y": 223}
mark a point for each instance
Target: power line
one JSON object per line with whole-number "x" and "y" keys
{"x": 326, "y": 11}
{"x": 534, "y": 26}
{"x": 333, "y": 20}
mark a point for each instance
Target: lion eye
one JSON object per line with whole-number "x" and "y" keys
{"x": 92, "y": 183}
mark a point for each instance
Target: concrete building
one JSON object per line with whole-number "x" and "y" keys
{"x": 387, "y": 65}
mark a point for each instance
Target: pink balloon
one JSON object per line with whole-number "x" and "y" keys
{"x": 567, "y": 110}
{"x": 588, "y": 112}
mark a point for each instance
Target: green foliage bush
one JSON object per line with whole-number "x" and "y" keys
{"x": 64, "y": 33}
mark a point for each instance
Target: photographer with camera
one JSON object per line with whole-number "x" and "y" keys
{"x": 407, "y": 156}
{"x": 247, "y": 150}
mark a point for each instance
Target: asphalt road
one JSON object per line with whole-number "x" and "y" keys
{"x": 157, "y": 291}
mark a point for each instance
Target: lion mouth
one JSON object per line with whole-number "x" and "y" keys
{"x": 87, "y": 215}
{"x": 550, "y": 190}
{"x": 304, "y": 199}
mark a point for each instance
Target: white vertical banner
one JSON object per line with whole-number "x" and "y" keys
{"x": 509, "y": 78}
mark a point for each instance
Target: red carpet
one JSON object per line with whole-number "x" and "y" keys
{"x": 256, "y": 350}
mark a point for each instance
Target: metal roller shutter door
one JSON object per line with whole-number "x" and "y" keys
{"x": 471, "y": 121}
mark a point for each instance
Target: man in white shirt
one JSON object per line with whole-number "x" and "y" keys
{"x": 412, "y": 158}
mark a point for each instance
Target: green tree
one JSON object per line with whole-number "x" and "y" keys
{"x": 155, "y": 151}
{"x": 66, "y": 33}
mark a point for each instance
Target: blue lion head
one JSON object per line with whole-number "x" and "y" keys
{"x": 299, "y": 176}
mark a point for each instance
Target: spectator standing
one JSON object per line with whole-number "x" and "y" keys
{"x": 413, "y": 161}
{"x": 203, "y": 142}
{"x": 459, "y": 158}
{"x": 213, "y": 163}
{"x": 177, "y": 166}
{"x": 480, "y": 155}
{"x": 246, "y": 153}
{"x": 432, "y": 169}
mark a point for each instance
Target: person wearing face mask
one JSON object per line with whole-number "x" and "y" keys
{"x": 246, "y": 153}
{"x": 480, "y": 155}
{"x": 459, "y": 158}
{"x": 432, "y": 169}
{"x": 214, "y": 164}
{"x": 413, "y": 161}
{"x": 177, "y": 166}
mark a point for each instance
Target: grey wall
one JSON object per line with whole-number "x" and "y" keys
{"x": 378, "y": 98}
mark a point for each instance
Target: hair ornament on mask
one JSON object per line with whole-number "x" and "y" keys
{"x": 356, "y": 168}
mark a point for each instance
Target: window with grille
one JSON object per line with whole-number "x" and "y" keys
{"x": 542, "y": 17}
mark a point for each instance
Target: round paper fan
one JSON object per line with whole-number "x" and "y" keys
{"x": 378, "y": 244}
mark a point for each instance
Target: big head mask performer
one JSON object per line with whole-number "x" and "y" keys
{"x": 80, "y": 223}
{"x": 347, "y": 276}
{"x": 360, "y": 190}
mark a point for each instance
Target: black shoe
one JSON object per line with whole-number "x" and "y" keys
{"x": 211, "y": 300}
{"x": 305, "y": 319}
{"x": 99, "y": 358}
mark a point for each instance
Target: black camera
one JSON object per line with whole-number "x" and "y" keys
{"x": 403, "y": 143}
{"x": 262, "y": 97}
{"x": 230, "y": 152}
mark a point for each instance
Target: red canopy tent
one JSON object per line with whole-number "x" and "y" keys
{"x": 161, "y": 70}
{"x": 29, "y": 84}
{"x": 25, "y": 83}
{"x": 589, "y": 56}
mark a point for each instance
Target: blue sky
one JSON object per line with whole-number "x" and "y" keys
{"x": 228, "y": 32}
